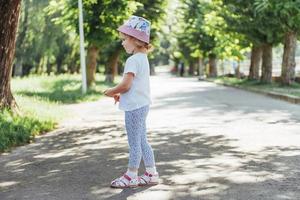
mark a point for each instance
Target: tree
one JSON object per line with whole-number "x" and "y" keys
{"x": 194, "y": 41}
{"x": 101, "y": 19}
{"x": 288, "y": 15}
{"x": 229, "y": 44}
{"x": 261, "y": 29}
{"x": 204, "y": 34}
{"x": 255, "y": 60}
{"x": 41, "y": 43}
{"x": 10, "y": 11}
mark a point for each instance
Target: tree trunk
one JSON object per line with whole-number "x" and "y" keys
{"x": 112, "y": 66}
{"x": 201, "y": 70}
{"x": 256, "y": 54}
{"x": 10, "y": 11}
{"x": 174, "y": 69}
{"x": 26, "y": 69}
{"x": 266, "y": 76}
{"x": 288, "y": 60}
{"x": 191, "y": 68}
{"x": 92, "y": 56}
{"x": 59, "y": 62}
{"x": 237, "y": 71}
{"x": 37, "y": 59}
{"x": 212, "y": 65}
{"x": 49, "y": 67}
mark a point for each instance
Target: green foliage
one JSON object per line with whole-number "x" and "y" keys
{"x": 242, "y": 17}
{"x": 18, "y": 130}
{"x": 229, "y": 45}
{"x": 193, "y": 40}
{"x": 48, "y": 39}
{"x": 202, "y": 31}
{"x": 101, "y": 17}
{"x": 287, "y": 12}
{"x": 40, "y": 42}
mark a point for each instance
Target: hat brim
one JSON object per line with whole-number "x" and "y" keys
{"x": 142, "y": 36}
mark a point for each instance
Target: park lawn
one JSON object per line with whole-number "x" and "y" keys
{"x": 292, "y": 90}
{"x": 41, "y": 100}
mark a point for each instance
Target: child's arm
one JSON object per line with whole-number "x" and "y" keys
{"x": 122, "y": 87}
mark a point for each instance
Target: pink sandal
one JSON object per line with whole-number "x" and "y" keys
{"x": 148, "y": 179}
{"x": 124, "y": 182}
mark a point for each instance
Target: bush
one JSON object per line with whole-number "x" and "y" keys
{"x": 17, "y": 130}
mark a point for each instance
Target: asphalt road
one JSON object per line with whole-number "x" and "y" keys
{"x": 210, "y": 142}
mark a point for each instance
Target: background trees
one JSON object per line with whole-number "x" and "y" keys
{"x": 287, "y": 16}
{"x": 198, "y": 33}
{"x": 204, "y": 32}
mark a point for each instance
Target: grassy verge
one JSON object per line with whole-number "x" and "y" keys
{"x": 292, "y": 90}
{"x": 41, "y": 100}
{"x": 18, "y": 130}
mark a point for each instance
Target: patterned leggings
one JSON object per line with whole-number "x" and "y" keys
{"x": 139, "y": 147}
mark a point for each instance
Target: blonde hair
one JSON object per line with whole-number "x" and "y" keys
{"x": 139, "y": 44}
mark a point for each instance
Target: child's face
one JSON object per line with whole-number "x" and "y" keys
{"x": 128, "y": 43}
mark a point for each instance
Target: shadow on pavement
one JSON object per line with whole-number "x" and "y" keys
{"x": 79, "y": 164}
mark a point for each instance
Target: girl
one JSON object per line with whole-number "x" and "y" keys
{"x": 133, "y": 93}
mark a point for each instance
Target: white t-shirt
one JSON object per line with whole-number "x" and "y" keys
{"x": 139, "y": 93}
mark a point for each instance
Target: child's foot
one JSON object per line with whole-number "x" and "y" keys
{"x": 125, "y": 182}
{"x": 148, "y": 179}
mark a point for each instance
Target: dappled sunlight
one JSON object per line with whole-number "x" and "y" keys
{"x": 51, "y": 173}
{"x": 192, "y": 164}
{"x": 14, "y": 163}
{"x": 210, "y": 108}
{"x": 60, "y": 153}
{"x": 7, "y": 183}
{"x": 153, "y": 194}
{"x": 205, "y": 148}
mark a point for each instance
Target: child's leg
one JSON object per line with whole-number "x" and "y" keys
{"x": 147, "y": 151}
{"x": 150, "y": 177}
{"x": 134, "y": 128}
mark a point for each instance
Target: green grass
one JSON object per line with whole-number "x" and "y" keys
{"x": 18, "y": 130}
{"x": 41, "y": 100}
{"x": 65, "y": 89}
{"x": 292, "y": 90}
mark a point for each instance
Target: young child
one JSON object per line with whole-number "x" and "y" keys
{"x": 133, "y": 94}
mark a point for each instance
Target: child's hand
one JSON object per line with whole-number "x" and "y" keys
{"x": 108, "y": 92}
{"x": 117, "y": 98}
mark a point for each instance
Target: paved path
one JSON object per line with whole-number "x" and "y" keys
{"x": 210, "y": 142}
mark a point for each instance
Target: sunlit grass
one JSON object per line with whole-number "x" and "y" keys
{"x": 63, "y": 89}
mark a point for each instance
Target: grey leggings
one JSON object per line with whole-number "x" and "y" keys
{"x": 139, "y": 147}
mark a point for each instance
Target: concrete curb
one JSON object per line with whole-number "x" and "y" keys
{"x": 288, "y": 98}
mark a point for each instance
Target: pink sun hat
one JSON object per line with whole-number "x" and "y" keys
{"x": 137, "y": 27}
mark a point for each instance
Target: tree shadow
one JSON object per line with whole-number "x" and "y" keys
{"x": 79, "y": 164}
{"x": 193, "y": 163}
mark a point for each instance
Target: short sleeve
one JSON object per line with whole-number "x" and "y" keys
{"x": 131, "y": 66}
